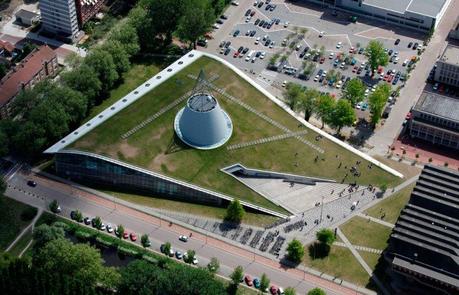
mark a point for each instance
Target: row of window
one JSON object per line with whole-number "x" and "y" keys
{"x": 439, "y": 121}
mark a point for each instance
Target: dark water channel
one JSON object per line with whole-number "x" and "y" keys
{"x": 109, "y": 254}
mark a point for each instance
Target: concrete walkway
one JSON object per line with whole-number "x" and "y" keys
{"x": 359, "y": 248}
{"x": 31, "y": 225}
{"x": 382, "y": 222}
{"x": 362, "y": 262}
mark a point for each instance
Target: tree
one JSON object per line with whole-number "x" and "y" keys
{"x": 316, "y": 291}
{"x": 376, "y": 55}
{"x": 104, "y": 66}
{"x": 79, "y": 261}
{"x": 120, "y": 230}
{"x": 289, "y": 291}
{"x": 119, "y": 55}
{"x": 44, "y": 233}
{"x": 167, "y": 248}
{"x": 306, "y": 102}
{"x": 83, "y": 79}
{"x": 145, "y": 240}
{"x": 126, "y": 34}
{"x": 2, "y": 186}
{"x": 354, "y": 91}
{"x": 97, "y": 222}
{"x": 325, "y": 105}
{"x": 291, "y": 94}
{"x": 53, "y": 206}
{"x": 264, "y": 282}
{"x": 343, "y": 115}
{"x": 326, "y": 236}
{"x": 196, "y": 21}
{"x": 213, "y": 265}
{"x": 4, "y": 142}
{"x": 237, "y": 275}
{"x": 190, "y": 254}
{"x": 377, "y": 101}
{"x": 163, "y": 16}
{"x": 235, "y": 212}
{"x": 295, "y": 251}
{"x": 78, "y": 216}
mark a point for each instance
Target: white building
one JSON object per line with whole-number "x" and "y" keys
{"x": 420, "y": 15}
{"x": 60, "y": 17}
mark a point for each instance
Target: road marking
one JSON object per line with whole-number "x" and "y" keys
{"x": 303, "y": 13}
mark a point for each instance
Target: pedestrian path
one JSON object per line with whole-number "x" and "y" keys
{"x": 266, "y": 140}
{"x": 382, "y": 222}
{"x": 361, "y": 261}
{"x": 360, "y": 248}
{"x": 30, "y": 226}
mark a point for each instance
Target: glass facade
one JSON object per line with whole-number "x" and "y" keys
{"x": 91, "y": 169}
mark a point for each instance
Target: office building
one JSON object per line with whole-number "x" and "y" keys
{"x": 447, "y": 71}
{"x": 60, "y": 17}
{"x": 420, "y": 15}
{"x": 423, "y": 248}
{"x": 435, "y": 118}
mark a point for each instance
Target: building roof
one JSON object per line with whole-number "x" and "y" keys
{"x": 450, "y": 55}
{"x": 26, "y": 14}
{"x": 424, "y": 239}
{"x": 7, "y": 46}
{"x": 438, "y": 105}
{"x": 12, "y": 83}
{"x": 430, "y": 8}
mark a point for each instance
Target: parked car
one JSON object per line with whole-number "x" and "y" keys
{"x": 410, "y": 44}
{"x": 178, "y": 254}
{"x": 109, "y": 228}
{"x": 236, "y": 33}
{"x": 397, "y": 41}
{"x": 125, "y": 235}
{"x": 256, "y": 283}
{"x": 183, "y": 238}
{"x": 248, "y": 280}
{"x": 87, "y": 220}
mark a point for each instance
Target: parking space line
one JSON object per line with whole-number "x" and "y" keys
{"x": 297, "y": 12}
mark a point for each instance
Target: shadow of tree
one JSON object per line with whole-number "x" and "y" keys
{"x": 318, "y": 250}
{"x": 176, "y": 145}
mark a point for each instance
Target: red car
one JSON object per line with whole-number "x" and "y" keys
{"x": 380, "y": 70}
{"x": 236, "y": 54}
{"x": 125, "y": 235}
{"x": 133, "y": 237}
{"x": 322, "y": 59}
{"x": 274, "y": 290}
{"x": 248, "y": 280}
{"x": 355, "y": 69}
{"x": 252, "y": 13}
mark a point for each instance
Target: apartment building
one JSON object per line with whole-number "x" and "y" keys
{"x": 447, "y": 71}
{"x": 60, "y": 17}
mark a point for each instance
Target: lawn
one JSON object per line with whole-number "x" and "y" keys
{"x": 155, "y": 148}
{"x": 140, "y": 71}
{"x": 360, "y": 231}
{"x": 391, "y": 206}
{"x": 22, "y": 243}
{"x": 194, "y": 209}
{"x": 13, "y": 220}
{"x": 339, "y": 263}
{"x": 370, "y": 258}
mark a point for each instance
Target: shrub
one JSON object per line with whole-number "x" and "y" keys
{"x": 28, "y": 213}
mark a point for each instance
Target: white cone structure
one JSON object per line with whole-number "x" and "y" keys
{"x": 202, "y": 123}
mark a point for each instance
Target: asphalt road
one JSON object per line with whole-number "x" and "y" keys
{"x": 159, "y": 231}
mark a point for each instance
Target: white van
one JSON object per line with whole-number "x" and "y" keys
{"x": 249, "y": 56}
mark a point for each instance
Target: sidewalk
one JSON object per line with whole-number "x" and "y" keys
{"x": 31, "y": 225}
{"x": 382, "y": 222}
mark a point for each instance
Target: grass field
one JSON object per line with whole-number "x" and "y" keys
{"x": 11, "y": 221}
{"x": 362, "y": 232}
{"x": 155, "y": 148}
{"x": 256, "y": 219}
{"x": 22, "y": 243}
{"x": 370, "y": 258}
{"x": 139, "y": 72}
{"x": 391, "y": 206}
{"x": 339, "y": 263}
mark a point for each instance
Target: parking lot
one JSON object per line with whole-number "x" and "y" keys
{"x": 331, "y": 34}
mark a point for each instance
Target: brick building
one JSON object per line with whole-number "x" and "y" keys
{"x": 35, "y": 67}
{"x": 87, "y": 9}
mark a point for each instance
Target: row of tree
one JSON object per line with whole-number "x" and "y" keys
{"x": 51, "y": 109}
{"x": 336, "y": 114}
